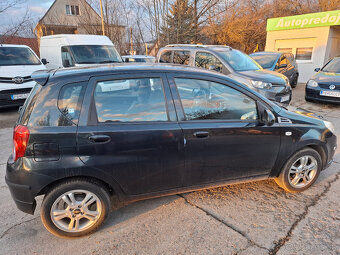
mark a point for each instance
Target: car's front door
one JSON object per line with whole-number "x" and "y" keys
{"x": 224, "y": 138}
{"x": 132, "y": 133}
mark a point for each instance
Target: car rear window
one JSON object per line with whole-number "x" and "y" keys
{"x": 26, "y": 109}
{"x": 165, "y": 57}
{"x": 57, "y": 106}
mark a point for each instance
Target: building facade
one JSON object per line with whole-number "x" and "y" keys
{"x": 77, "y": 17}
{"x": 313, "y": 39}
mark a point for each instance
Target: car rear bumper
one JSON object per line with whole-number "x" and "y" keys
{"x": 313, "y": 94}
{"x": 22, "y": 196}
{"x": 25, "y": 185}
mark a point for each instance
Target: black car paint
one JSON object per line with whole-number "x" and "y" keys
{"x": 143, "y": 160}
{"x": 324, "y": 80}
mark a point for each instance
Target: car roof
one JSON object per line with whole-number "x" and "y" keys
{"x": 196, "y": 46}
{"x": 14, "y": 45}
{"x": 117, "y": 68}
{"x": 267, "y": 53}
{"x": 137, "y": 56}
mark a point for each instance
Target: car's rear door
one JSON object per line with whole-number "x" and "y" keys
{"x": 130, "y": 131}
{"x": 224, "y": 139}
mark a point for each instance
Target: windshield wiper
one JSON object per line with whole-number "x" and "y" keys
{"x": 109, "y": 61}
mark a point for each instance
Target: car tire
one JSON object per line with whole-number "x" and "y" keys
{"x": 294, "y": 82}
{"x": 300, "y": 171}
{"x": 75, "y": 208}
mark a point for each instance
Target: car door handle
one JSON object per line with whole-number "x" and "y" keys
{"x": 100, "y": 138}
{"x": 201, "y": 134}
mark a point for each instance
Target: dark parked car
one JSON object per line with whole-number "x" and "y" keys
{"x": 324, "y": 86}
{"x": 280, "y": 62}
{"x": 85, "y": 135}
{"x": 233, "y": 63}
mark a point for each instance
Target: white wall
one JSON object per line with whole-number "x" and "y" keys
{"x": 333, "y": 47}
{"x": 317, "y": 38}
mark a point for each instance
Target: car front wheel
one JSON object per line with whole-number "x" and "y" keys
{"x": 75, "y": 208}
{"x": 300, "y": 171}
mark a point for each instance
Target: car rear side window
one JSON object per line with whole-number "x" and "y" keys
{"x": 130, "y": 100}
{"x": 27, "y": 108}
{"x": 181, "y": 57}
{"x": 57, "y": 106}
{"x": 165, "y": 57}
{"x": 69, "y": 101}
{"x": 206, "y": 100}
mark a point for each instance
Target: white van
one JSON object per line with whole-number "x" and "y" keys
{"x": 77, "y": 50}
{"x": 17, "y": 63}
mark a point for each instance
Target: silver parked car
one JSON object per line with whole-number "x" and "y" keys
{"x": 232, "y": 63}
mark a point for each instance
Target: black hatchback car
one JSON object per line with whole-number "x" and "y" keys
{"x": 324, "y": 86}
{"x": 280, "y": 62}
{"x": 138, "y": 131}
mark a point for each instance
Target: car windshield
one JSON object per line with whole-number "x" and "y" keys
{"x": 333, "y": 66}
{"x": 95, "y": 54}
{"x": 239, "y": 61}
{"x": 265, "y": 60}
{"x": 13, "y": 56}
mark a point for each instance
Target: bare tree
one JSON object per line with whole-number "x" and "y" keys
{"x": 18, "y": 27}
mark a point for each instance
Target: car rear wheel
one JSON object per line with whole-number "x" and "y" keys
{"x": 300, "y": 171}
{"x": 75, "y": 208}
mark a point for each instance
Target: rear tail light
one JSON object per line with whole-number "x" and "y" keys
{"x": 20, "y": 139}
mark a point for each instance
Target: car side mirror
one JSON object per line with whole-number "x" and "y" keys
{"x": 127, "y": 60}
{"x": 317, "y": 69}
{"x": 66, "y": 63}
{"x": 44, "y": 61}
{"x": 268, "y": 118}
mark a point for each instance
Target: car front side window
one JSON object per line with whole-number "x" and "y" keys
{"x": 208, "y": 61}
{"x": 206, "y": 100}
{"x": 130, "y": 100}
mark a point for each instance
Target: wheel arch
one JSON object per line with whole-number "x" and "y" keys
{"x": 112, "y": 189}
{"x": 317, "y": 147}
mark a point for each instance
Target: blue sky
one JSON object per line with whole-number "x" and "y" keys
{"x": 37, "y": 9}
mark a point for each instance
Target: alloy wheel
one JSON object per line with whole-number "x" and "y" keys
{"x": 76, "y": 210}
{"x": 303, "y": 171}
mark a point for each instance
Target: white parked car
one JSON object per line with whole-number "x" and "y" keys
{"x": 77, "y": 50}
{"x": 139, "y": 58}
{"x": 17, "y": 63}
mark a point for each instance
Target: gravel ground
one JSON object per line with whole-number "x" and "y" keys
{"x": 251, "y": 218}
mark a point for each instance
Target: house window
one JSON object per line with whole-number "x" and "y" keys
{"x": 304, "y": 53}
{"x": 72, "y": 10}
{"x": 285, "y": 50}
{"x": 68, "y": 10}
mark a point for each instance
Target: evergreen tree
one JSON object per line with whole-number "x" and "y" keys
{"x": 180, "y": 23}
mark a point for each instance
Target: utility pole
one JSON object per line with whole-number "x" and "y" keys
{"x": 131, "y": 42}
{"x": 102, "y": 16}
